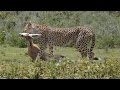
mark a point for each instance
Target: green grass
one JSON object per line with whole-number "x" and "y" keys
{"x": 14, "y": 64}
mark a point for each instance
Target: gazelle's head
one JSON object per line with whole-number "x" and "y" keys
{"x": 28, "y": 36}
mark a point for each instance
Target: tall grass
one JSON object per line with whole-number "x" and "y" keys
{"x": 14, "y": 64}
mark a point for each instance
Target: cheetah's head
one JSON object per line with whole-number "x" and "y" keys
{"x": 33, "y": 28}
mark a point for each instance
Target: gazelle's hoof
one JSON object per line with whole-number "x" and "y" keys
{"x": 95, "y": 58}
{"x": 58, "y": 57}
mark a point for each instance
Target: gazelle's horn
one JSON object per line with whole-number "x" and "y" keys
{"x": 32, "y": 35}
{"x": 24, "y": 34}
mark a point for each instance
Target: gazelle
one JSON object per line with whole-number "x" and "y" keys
{"x": 33, "y": 50}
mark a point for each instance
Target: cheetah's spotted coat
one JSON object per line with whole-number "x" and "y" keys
{"x": 81, "y": 36}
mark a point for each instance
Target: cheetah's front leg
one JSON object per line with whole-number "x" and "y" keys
{"x": 51, "y": 48}
{"x": 81, "y": 45}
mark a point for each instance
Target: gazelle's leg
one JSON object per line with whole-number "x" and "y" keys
{"x": 38, "y": 57}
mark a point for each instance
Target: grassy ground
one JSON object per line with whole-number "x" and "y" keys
{"x": 15, "y": 64}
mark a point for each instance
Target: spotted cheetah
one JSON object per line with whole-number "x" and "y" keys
{"x": 81, "y": 36}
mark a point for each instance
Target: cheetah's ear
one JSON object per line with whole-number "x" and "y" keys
{"x": 29, "y": 24}
{"x": 30, "y": 21}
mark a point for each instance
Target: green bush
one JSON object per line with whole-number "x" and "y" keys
{"x": 84, "y": 69}
{"x": 15, "y": 40}
{"x": 2, "y": 37}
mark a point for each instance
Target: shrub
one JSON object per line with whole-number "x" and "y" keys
{"x": 84, "y": 69}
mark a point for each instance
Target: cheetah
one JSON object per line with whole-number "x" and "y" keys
{"x": 81, "y": 36}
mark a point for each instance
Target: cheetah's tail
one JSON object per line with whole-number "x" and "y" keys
{"x": 93, "y": 42}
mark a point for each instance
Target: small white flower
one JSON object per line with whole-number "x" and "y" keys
{"x": 57, "y": 64}
{"x": 3, "y": 31}
{"x": 88, "y": 67}
{"x": 99, "y": 59}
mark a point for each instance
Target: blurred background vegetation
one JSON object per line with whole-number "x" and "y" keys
{"x": 106, "y": 25}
